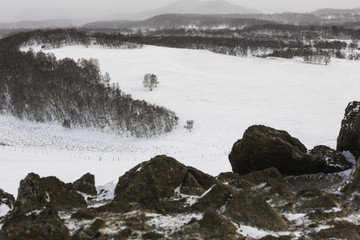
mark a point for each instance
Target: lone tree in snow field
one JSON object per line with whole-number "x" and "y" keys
{"x": 150, "y": 81}
{"x": 189, "y": 125}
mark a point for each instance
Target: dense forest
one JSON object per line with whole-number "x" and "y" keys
{"x": 38, "y": 87}
{"x": 240, "y": 36}
{"x": 265, "y": 41}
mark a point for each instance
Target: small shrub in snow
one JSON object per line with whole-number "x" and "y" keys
{"x": 189, "y": 125}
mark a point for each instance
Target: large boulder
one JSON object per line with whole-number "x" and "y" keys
{"x": 34, "y": 193}
{"x": 349, "y": 136}
{"x": 151, "y": 184}
{"x": 42, "y": 224}
{"x": 86, "y": 184}
{"x": 263, "y": 147}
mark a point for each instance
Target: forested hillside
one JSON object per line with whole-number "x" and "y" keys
{"x": 250, "y": 35}
{"x": 272, "y": 40}
{"x": 38, "y": 87}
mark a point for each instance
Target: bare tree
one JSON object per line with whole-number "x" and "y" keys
{"x": 189, "y": 125}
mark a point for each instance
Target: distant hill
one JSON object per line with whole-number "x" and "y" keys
{"x": 200, "y": 7}
{"x": 54, "y": 23}
{"x": 331, "y": 11}
{"x": 183, "y": 21}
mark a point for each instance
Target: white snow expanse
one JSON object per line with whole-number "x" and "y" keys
{"x": 224, "y": 95}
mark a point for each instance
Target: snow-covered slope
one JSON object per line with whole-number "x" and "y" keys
{"x": 222, "y": 94}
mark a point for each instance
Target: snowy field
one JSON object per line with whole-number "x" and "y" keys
{"x": 224, "y": 95}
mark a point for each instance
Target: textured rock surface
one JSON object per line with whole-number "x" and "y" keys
{"x": 332, "y": 160}
{"x": 263, "y": 147}
{"x": 349, "y": 136}
{"x": 187, "y": 204}
{"x": 215, "y": 226}
{"x": 86, "y": 184}
{"x": 341, "y": 230}
{"x": 44, "y": 224}
{"x": 35, "y": 192}
{"x": 250, "y": 209}
{"x": 151, "y": 183}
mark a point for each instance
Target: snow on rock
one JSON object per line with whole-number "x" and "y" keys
{"x": 168, "y": 224}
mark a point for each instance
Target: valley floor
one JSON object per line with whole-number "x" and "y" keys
{"x": 224, "y": 95}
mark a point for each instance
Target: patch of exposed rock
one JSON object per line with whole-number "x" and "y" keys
{"x": 164, "y": 199}
{"x": 267, "y": 183}
{"x": 250, "y": 209}
{"x": 340, "y": 230}
{"x": 263, "y": 147}
{"x": 349, "y": 136}
{"x": 42, "y": 224}
{"x": 86, "y": 184}
{"x": 215, "y": 226}
{"x": 34, "y": 193}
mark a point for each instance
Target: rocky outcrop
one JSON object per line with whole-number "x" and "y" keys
{"x": 42, "y": 224}
{"x": 34, "y": 193}
{"x": 263, "y": 147}
{"x": 86, "y": 184}
{"x": 163, "y": 184}
{"x": 164, "y": 199}
{"x": 150, "y": 184}
{"x": 349, "y": 136}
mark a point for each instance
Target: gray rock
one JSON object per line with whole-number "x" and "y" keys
{"x": 263, "y": 147}
{"x": 34, "y": 193}
{"x": 86, "y": 184}
{"x": 340, "y": 230}
{"x": 215, "y": 226}
{"x": 249, "y": 208}
{"x": 43, "y": 224}
{"x": 332, "y": 160}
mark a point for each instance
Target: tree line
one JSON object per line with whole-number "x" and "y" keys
{"x": 38, "y": 87}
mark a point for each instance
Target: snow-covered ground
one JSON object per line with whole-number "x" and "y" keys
{"x": 224, "y": 95}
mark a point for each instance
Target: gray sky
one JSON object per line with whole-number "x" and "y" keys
{"x": 15, "y": 10}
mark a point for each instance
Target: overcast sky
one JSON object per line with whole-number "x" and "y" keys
{"x": 15, "y": 10}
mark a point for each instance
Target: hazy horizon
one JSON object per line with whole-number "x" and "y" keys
{"x": 19, "y": 10}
